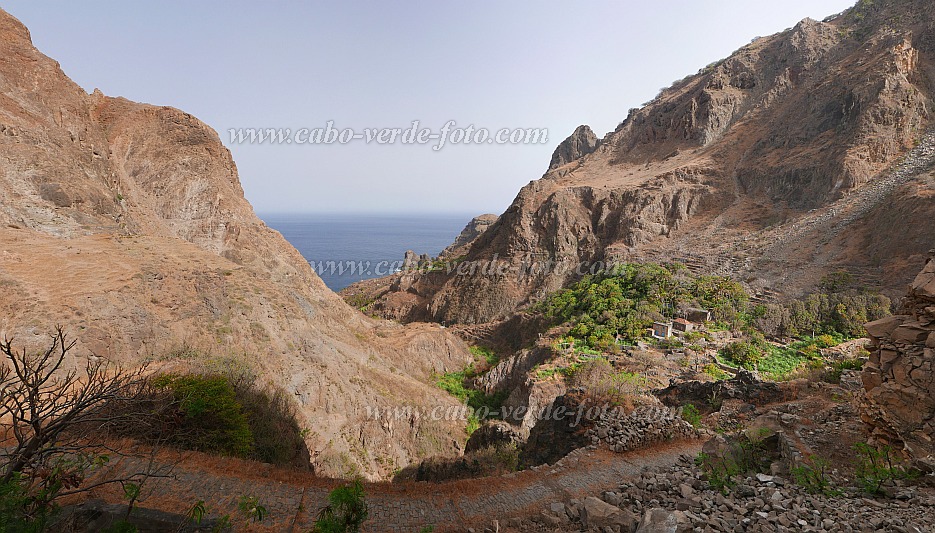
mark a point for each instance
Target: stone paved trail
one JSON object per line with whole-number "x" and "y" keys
{"x": 293, "y": 499}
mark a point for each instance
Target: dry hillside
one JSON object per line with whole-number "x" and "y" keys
{"x": 127, "y": 224}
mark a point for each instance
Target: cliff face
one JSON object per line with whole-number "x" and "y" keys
{"x": 793, "y": 157}
{"x": 899, "y": 379}
{"x": 127, "y": 224}
{"x": 471, "y": 231}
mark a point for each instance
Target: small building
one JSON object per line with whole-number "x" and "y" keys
{"x": 682, "y": 326}
{"x": 662, "y": 330}
{"x": 698, "y": 316}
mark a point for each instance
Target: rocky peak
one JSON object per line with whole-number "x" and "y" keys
{"x": 579, "y": 144}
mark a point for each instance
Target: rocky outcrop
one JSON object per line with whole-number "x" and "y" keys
{"x": 472, "y": 231}
{"x": 127, "y": 223}
{"x": 899, "y": 379}
{"x": 560, "y": 428}
{"x": 493, "y": 433}
{"x": 577, "y": 145}
{"x": 570, "y": 423}
{"x": 744, "y": 386}
{"x": 512, "y": 371}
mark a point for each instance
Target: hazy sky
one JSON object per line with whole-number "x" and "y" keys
{"x": 542, "y": 64}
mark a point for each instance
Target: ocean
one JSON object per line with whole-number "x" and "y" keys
{"x": 344, "y": 249}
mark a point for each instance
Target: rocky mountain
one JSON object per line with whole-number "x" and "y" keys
{"x": 127, "y": 224}
{"x": 802, "y": 153}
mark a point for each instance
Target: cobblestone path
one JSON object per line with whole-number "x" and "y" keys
{"x": 293, "y": 499}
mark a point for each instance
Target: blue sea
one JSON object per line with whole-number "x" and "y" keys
{"x": 344, "y": 249}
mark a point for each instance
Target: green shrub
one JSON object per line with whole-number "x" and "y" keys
{"x": 21, "y": 511}
{"x": 249, "y": 507}
{"x": 486, "y": 355}
{"x": 743, "y": 353}
{"x": 226, "y": 413}
{"x": 840, "y": 314}
{"x": 346, "y": 510}
{"x": 745, "y": 454}
{"x": 715, "y": 372}
{"x": 212, "y": 418}
{"x": 624, "y": 301}
{"x": 838, "y": 367}
{"x": 877, "y": 467}
{"x": 691, "y": 415}
{"x": 813, "y": 475}
{"x": 482, "y": 405}
{"x": 720, "y": 471}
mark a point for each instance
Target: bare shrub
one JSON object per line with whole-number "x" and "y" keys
{"x": 53, "y": 422}
{"x": 601, "y": 384}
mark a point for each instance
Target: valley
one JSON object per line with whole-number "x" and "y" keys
{"x": 719, "y": 316}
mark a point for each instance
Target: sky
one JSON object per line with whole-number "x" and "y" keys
{"x": 542, "y": 64}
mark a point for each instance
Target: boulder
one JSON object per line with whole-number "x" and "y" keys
{"x": 410, "y": 260}
{"x": 659, "y": 520}
{"x": 598, "y": 513}
{"x": 910, "y": 333}
{"x": 924, "y": 284}
{"x": 879, "y": 329}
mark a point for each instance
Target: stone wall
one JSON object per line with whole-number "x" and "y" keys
{"x": 646, "y": 425}
{"x": 899, "y": 379}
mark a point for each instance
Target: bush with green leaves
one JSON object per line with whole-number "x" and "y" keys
{"x": 745, "y": 353}
{"x": 877, "y": 467}
{"x": 21, "y": 510}
{"x": 719, "y": 470}
{"x": 745, "y": 453}
{"x": 834, "y": 313}
{"x": 461, "y": 385}
{"x": 620, "y": 304}
{"x": 814, "y": 476}
{"x": 838, "y": 368}
{"x": 690, "y": 414}
{"x": 346, "y": 510}
{"x": 229, "y": 415}
{"x": 715, "y": 372}
{"x": 212, "y": 420}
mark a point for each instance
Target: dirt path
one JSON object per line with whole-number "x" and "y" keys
{"x": 293, "y": 499}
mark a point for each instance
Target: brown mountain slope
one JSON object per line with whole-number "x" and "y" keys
{"x": 127, "y": 223}
{"x": 774, "y": 165}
